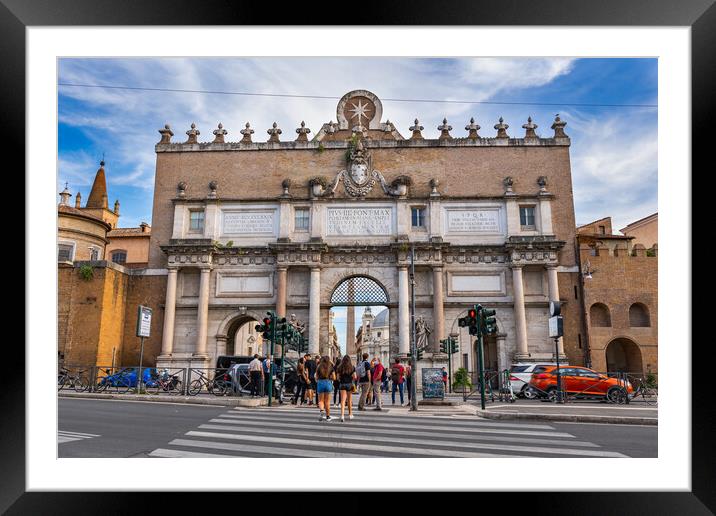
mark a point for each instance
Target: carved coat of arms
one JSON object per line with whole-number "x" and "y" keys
{"x": 360, "y": 176}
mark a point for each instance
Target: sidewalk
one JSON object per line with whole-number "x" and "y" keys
{"x": 580, "y": 411}
{"x": 201, "y": 399}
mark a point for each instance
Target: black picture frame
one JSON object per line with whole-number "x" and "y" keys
{"x": 700, "y": 15}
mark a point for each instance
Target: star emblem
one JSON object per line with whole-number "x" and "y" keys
{"x": 360, "y": 110}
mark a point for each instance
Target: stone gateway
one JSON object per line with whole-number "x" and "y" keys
{"x": 242, "y": 227}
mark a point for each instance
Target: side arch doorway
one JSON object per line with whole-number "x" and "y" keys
{"x": 242, "y": 339}
{"x": 624, "y": 355}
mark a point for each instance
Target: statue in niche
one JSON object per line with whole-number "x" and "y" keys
{"x": 422, "y": 332}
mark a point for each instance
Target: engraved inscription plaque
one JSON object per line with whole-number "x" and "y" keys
{"x": 359, "y": 221}
{"x": 473, "y": 221}
{"x": 248, "y": 222}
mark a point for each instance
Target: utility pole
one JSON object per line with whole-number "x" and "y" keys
{"x": 413, "y": 347}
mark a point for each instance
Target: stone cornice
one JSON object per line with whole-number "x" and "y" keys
{"x": 371, "y": 144}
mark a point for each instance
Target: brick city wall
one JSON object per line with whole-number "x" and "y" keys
{"x": 618, "y": 282}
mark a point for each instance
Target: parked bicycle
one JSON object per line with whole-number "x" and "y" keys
{"x": 164, "y": 382}
{"x": 78, "y": 382}
{"x": 216, "y": 386}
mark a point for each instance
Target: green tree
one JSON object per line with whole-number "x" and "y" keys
{"x": 461, "y": 378}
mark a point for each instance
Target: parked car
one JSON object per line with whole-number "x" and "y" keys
{"x": 521, "y": 374}
{"x": 579, "y": 381}
{"x": 225, "y": 364}
{"x": 126, "y": 376}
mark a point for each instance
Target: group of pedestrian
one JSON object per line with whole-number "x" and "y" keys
{"x": 261, "y": 369}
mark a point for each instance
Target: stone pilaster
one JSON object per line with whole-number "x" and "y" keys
{"x": 520, "y": 318}
{"x": 314, "y": 311}
{"x": 202, "y": 312}
{"x": 169, "y": 311}
{"x": 403, "y": 311}
{"x": 438, "y": 311}
{"x": 281, "y": 275}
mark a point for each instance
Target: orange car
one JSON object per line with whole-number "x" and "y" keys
{"x": 578, "y": 381}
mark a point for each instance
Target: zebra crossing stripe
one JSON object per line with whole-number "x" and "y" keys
{"x": 335, "y": 449}
{"x": 492, "y": 429}
{"x": 429, "y": 450}
{"x": 174, "y": 454}
{"x": 370, "y": 414}
{"x": 64, "y": 436}
{"x": 349, "y": 432}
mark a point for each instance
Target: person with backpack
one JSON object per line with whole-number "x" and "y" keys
{"x": 385, "y": 379}
{"x": 363, "y": 374}
{"x": 378, "y": 372}
{"x": 397, "y": 376}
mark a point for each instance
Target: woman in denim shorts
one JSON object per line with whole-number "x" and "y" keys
{"x": 324, "y": 387}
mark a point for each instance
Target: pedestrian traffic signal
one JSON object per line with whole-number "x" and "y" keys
{"x": 420, "y": 354}
{"x": 489, "y": 323}
{"x": 444, "y": 347}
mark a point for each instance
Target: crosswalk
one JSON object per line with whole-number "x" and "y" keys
{"x": 64, "y": 436}
{"x": 296, "y": 432}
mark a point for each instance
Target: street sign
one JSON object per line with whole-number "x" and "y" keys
{"x": 144, "y": 321}
{"x": 556, "y": 326}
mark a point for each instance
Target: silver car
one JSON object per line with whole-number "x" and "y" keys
{"x": 520, "y": 375}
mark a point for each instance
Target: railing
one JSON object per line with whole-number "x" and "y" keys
{"x": 614, "y": 387}
{"x": 190, "y": 381}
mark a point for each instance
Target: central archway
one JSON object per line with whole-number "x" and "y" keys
{"x": 361, "y": 292}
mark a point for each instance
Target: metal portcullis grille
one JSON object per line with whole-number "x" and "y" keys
{"x": 359, "y": 290}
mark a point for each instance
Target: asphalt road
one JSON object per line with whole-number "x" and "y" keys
{"x": 112, "y": 428}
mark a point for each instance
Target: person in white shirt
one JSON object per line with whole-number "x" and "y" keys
{"x": 257, "y": 375}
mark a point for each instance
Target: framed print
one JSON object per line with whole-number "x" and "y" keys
{"x": 241, "y": 195}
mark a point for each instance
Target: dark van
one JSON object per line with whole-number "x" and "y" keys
{"x": 225, "y": 362}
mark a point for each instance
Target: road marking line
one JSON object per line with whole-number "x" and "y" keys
{"x": 403, "y": 437}
{"x": 459, "y": 421}
{"x": 340, "y": 448}
{"x": 396, "y": 425}
{"x": 62, "y": 439}
{"x": 165, "y": 453}
{"x": 76, "y": 434}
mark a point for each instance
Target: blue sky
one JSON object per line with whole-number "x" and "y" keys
{"x": 614, "y": 150}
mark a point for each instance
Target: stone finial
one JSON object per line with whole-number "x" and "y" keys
{"x": 558, "y": 127}
{"x": 542, "y": 182}
{"x": 472, "y": 129}
{"x": 286, "y": 184}
{"x": 78, "y": 200}
{"x": 388, "y": 129}
{"x": 529, "y": 128}
{"x": 445, "y": 130}
{"x": 508, "y": 182}
{"x": 116, "y": 207}
{"x": 65, "y": 196}
{"x": 332, "y": 127}
{"x": 359, "y": 131}
{"x": 247, "y": 132}
{"x": 417, "y": 135}
{"x": 434, "y": 183}
{"x": 219, "y": 134}
{"x": 213, "y": 185}
{"x": 166, "y": 134}
{"x": 302, "y": 132}
{"x": 501, "y": 129}
{"x": 273, "y": 133}
{"x": 181, "y": 189}
{"x": 192, "y": 133}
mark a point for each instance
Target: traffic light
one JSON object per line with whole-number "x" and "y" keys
{"x": 444, "y": 346}
{"x": 473, "y": 315}
{"x": 268, "y": 326}
{"x": 454, "y": 348}
{"x": 420, "y": 354}
{"x": 489, "y": 323}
